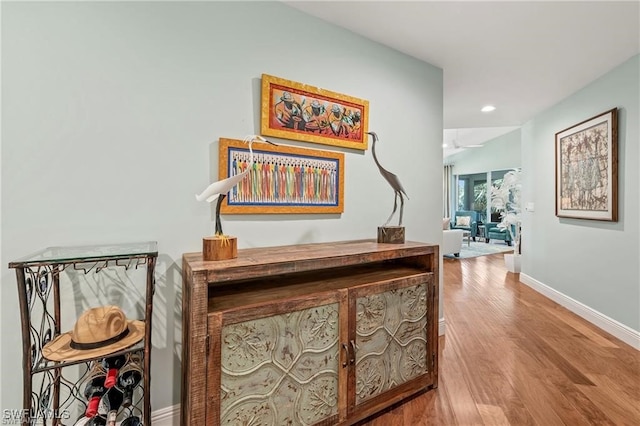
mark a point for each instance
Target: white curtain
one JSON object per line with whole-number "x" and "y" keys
{"x": 447, "y": 182}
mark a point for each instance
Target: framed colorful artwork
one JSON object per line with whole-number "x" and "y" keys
{"x": 301, "y": 112}
{"x": 283, "y": 179}
{"x": 587, "y": 169}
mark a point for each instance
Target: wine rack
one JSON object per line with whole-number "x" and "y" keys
{"x": 55, "y": 392}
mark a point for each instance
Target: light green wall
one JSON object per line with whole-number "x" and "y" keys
{"x": 501, "y": 153}
{"x": 595, "y": 263}
{"x": 111, "y": 113}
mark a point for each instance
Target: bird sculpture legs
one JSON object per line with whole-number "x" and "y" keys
{"x": 399, "y": 194}
{"x": 395, "y": 207}
{"x": 219, "y": 233}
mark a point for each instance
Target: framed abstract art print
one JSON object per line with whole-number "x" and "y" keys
{"x": 587, "y": 169}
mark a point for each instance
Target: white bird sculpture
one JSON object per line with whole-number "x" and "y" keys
{"x": 218, "y": 190}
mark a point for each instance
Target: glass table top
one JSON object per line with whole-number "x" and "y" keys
{"x": 88, "y": 253}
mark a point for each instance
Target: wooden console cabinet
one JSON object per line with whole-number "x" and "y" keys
{"x": 326, "y": 333}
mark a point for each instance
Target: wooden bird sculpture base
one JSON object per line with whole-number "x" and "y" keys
{"x": 391, "y": 234}
{"x": 219, "y": 248}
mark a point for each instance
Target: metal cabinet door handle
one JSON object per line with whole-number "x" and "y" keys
{"x": 352, "y": 360}
{"x": 346, "y": 349}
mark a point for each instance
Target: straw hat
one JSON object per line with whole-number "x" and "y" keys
{"x": 98, "y": 332}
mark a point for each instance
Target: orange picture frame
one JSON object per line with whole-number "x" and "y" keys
{"x": 297, "y": 111}
{"x": 284, "y": 179}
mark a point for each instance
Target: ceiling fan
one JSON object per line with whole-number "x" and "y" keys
{"x": 456, "y": 145}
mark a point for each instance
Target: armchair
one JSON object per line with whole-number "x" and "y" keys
{"x": 492, "y": 232}
{"x": 472, "y": 226}
{"x": 451, "y": 242}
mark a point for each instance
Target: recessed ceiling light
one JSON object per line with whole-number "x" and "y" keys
{"x": 488, "y": 108}
{"x": 444, "y": 145}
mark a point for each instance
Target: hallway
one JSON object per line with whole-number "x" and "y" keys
{"x": 511, "y": 356}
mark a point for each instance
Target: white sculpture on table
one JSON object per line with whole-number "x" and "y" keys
{"x": 218, "y": 190}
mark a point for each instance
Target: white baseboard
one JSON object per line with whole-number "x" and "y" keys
{"x": 441, "y": 327}
{"x": 611, "y": 326}
{"x": 168, "y": 416}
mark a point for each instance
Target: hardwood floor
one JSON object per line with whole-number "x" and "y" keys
{"x": 511, "y": 356}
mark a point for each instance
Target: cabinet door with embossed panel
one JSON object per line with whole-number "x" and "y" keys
{"x": 279, "y": 364}
{"x": 391, "y": 335}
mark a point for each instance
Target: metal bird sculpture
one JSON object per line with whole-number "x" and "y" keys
{"x": 218, "y": 190}
{"x": 393, "y": 181}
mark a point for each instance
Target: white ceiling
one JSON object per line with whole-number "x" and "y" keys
{"x": 522, "y": 57}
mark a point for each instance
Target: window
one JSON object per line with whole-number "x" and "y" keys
{"x": 461, "y": 196}
{"x": 473, "y": 193}
{"x": 480, "y": 198}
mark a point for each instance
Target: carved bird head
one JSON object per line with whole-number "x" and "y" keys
{"x": 256, "y": 138}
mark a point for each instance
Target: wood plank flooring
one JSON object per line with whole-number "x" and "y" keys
{"x": 511, "y": 356}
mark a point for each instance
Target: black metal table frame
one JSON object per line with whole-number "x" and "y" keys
{"x": 35, "y": 271}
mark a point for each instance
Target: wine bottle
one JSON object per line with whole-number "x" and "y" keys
{"x": 127, "y": 381}
{"x": 90, "y": 421}
{"x": 97, "y": 421}
{"x": 131, "y": 421}
{"x": 114, "y": 398}
{"x": 93, "y": 392}
{"x": 112, "y": 418}
{"x": 112, "y": 365}
{"x": 82, "y": 421}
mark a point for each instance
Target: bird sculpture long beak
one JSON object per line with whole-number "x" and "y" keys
{"x": 261, "y": 139}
